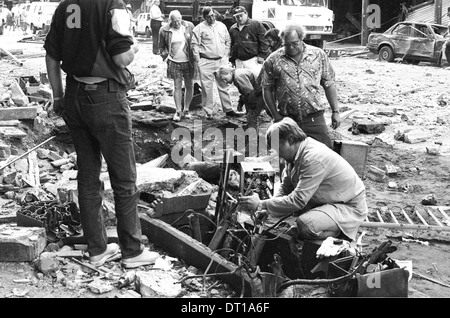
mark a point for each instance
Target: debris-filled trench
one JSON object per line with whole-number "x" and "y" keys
{"x": 394, "y": 133}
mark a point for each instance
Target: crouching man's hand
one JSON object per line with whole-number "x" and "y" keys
{"x": 250, "y": 203}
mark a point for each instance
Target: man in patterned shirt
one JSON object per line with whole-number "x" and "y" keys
{"x": 291, "y": 80}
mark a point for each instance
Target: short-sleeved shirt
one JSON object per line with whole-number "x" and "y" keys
{"x": 297, "y": 87}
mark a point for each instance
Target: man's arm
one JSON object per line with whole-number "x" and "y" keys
{"x": 54, "y": 76}
{"x": 331, "y": 95}
{"x": 263, "y": 46}
{"x": 55, "y": 79}
{"x": 312, "y": 174}
{"x": 195, "y": 43}
{"x": 269, "y": 99}
{"x": 124, "y": 59}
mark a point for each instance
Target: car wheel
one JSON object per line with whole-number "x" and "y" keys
{"x": 147, "y": 32}
{"x": 386, "y": 54}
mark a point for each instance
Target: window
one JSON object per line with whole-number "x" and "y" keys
{"x": 402, "y": 29}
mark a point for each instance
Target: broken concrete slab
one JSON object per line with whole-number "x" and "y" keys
{"x": 12, "y": 113}
{"x": 157, "y": 284}
{"x": 5, "y": 151}
{"x": 145, "y": 105}
{"x": 415, "y": 136}
{"x": 12, "y": 132}
{"x": 21, "y": 244}
{"x": 100, "y": 287}
{"x": 150, "y": 179}
{"x": 367, "y": 126}
{"x": 387, "y": 111}
{"x": 194, "y": 253}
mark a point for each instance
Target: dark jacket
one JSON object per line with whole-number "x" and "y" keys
{"x": 248, "y": 42}
{"x": 165, "y": 40}
{"x": 87, "y": 49}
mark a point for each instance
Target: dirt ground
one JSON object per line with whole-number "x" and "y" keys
{"x": 420, "y": 96}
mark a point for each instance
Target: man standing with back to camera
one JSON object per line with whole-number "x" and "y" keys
{"x": 91, "y": 42}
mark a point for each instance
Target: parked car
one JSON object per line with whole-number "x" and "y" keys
{"x": 412, "y": 41}
{"x": 39, "y": 15}
{"x": 142, "y": 26}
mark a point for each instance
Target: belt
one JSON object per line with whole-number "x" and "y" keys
{"x": 209, "y": 58}
{"x": 313, "y": 115}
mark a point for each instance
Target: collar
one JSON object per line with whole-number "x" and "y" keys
{"x": 245, "y": 24}
{"x": 301, "y": 147}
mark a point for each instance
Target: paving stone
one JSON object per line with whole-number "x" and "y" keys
{"x": 12, "y": 113}
{"x": 157, "y": 284}
{"x": 21, "y": 244}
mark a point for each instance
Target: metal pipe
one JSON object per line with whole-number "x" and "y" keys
{"x": 26, "y": 153}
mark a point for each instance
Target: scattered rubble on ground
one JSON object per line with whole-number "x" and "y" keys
{"x": 39, "y": 197}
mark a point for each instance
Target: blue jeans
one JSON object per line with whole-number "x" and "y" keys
{"x": 98, "y": 117}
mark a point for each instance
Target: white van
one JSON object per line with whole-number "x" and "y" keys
{"x": 38, "y": 15}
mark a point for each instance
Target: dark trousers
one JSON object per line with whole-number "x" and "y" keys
{"x": 155, "y": 25}
{"x": 315, "y": 126}
{"x": 98, "y": 117}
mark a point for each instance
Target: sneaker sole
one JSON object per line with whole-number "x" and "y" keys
{"x": 108, "y": 258}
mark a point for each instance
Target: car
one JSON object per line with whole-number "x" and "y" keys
{"x": 413, "y": 42}
{"x": 38, "y": 15}
{"x": 142, "y": 26}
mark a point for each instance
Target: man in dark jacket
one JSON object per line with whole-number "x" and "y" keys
{"x": 249, "y": 47}
{"x": 91, "y": 42}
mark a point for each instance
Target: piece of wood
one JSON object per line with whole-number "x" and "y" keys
{"x": 193, "y": 252}
{"x": 431, "y": 279}
{"x": 146, "y": 105}
{"x": 87, "y": 265}
{"x": 15, "y": 60}
{"x": 353, "y": 21}
{"x": 402, "y": 226}
{"x": 9, "y": 122}
{"x": 393, "y": 216}
{"x": 10, "y": 131}
{"x": 420, "y": 217}
{"x": 434, "y": 217}
{"x": 411, "y": 90}
{"x": 18, "y": 113}
{"x": 70, "y": 253}
{"x": 379, "y": 216}
{"x": 159, "y": 162}
{"x": 407, "y": 217}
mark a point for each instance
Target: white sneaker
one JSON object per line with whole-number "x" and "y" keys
{"x": 145, "y": 258}
{"x": 176, "y": 117}
{"x": 187, "y": 115}
{"x": 112, "y": 253}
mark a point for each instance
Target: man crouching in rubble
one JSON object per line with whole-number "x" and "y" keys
{"x": 91, "y": 42}
{"x": 317, "y": 184}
